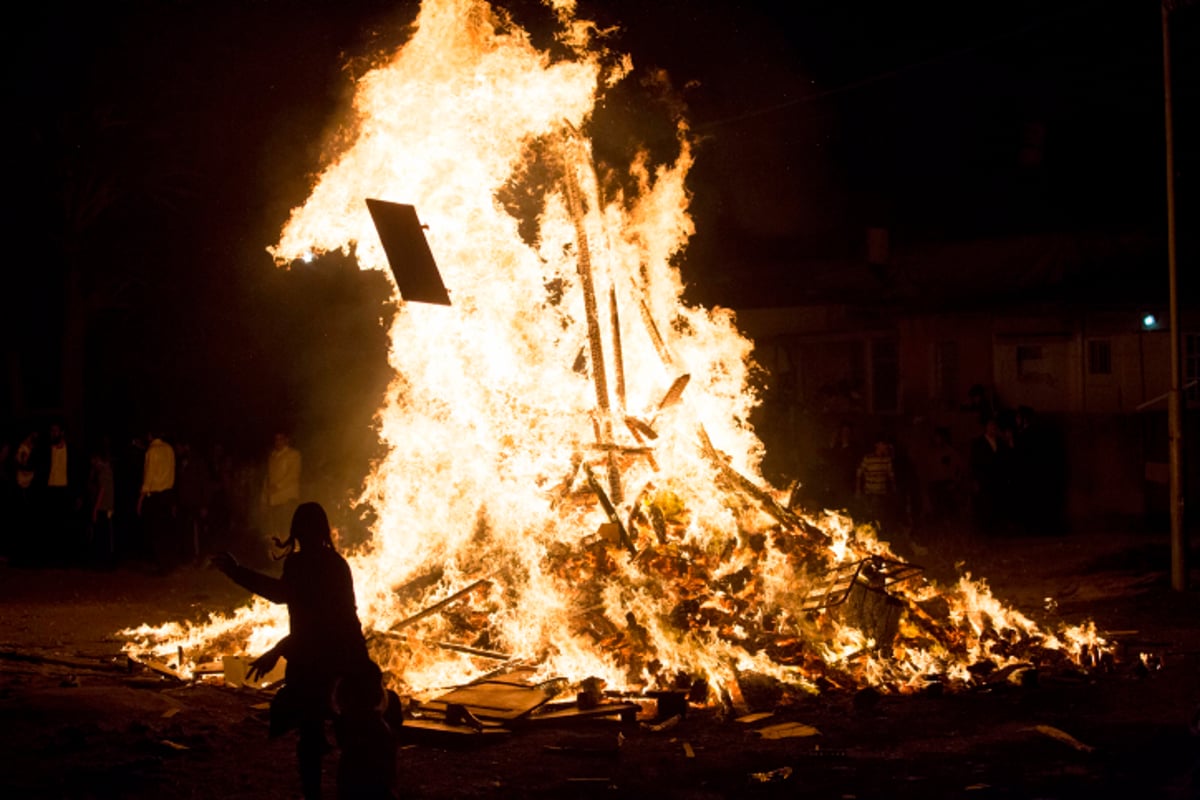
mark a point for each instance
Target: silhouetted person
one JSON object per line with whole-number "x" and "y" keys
{"x": 990, "y": 463}
{"x": 128, "y": 465}
{"x": 192, "y": 486}
{"x": 26, "y": 498}
{"x": 101, "y": 507}
{"x": 1040, "y": 467}
{"x": 981, "y": 403}
{"x": 324, "y": 643}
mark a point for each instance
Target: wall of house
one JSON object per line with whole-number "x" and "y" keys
{"x": 1096, "y": 382}
{"x": 942, "y": 356}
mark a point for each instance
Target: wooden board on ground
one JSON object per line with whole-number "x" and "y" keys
{"x": 626, "y": 711}
{"x": 437, "y": 730}
{"x": 504, "y": 697}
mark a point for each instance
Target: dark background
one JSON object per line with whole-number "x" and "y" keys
{"x": 158, "y": 147}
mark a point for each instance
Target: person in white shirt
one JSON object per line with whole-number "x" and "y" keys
{"x": 156, "y": 503}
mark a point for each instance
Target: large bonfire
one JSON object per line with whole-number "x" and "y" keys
{"x": 568, "y": 449}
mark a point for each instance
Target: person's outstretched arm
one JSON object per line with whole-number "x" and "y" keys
{"x": 273, "y": 589}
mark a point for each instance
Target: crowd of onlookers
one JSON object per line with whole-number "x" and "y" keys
{"x": 151, "y": 500}
{"x": 1006, "y": 479}
{"x": 165, "y": 501}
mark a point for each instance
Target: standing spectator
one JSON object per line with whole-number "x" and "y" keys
{"x": 980, "y": 402}
{"x": 102, "y": 504}
{"x": 281, "y": 489}
{"x": 60, "y": 501}
{"x": 128, "y": 465}
{"x": 876, "y": 483}
{"x": 26, "y": 498}
{"x": 156, "y": 503}
{"x": 989, "y": 478}
{"x": 191, "y": 494}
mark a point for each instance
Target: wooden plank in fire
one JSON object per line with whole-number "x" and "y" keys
{"x": 568, "y": 713}
{"x": 507, "y": 697}
{"x": 157, "y": 666}
{"x": 618, "y": 353}
{"x": 748, "y": 487}
{"x": 458, "y": 648}
{"x": 583, "y": 265}
{"x": 438, "y": 606}
{"x": 640, "y": 430}
{"x": 610, "y": 510}
{"x": 611, "y": 447}
{"x": 572, "y": 155}
{"x": 633, "y": 425}
{"x": 656, "y": 339}
{"x": 474, "y": 651}
{"x": 674, "y": 393}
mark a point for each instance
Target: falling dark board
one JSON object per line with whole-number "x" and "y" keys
{"x": 408, "y": 252}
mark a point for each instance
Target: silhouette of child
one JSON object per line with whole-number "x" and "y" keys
{"x": 324, "y": 642}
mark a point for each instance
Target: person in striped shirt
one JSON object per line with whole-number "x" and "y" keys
{"x": 876, "y": 481}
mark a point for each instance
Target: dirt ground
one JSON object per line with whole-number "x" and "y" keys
{"x": 75, "y": 725}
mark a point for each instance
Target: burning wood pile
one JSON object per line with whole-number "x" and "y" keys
{"x": 572, "y": 484}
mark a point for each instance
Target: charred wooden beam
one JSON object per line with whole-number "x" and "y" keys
{"x": 639, "y": 429}
{"x": 656, "y": 339}
{"x": 583, "y": 263}
{"x": 675, "y": 393}
{"x": 474, "y": 651}
{"x": 610, "y": 510}
{"x": 748, "y": 487}
{"x": 438, "y": 606}
{"x": 609, "y": 447}
{"x": 618, "y": 353}
{"x": 419, "y": 583}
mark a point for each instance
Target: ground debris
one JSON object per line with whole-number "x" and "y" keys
{"x": 1062, "y": 736}
{"x": 590, "y": 745}
{"x": 787, "y": 730}
{"x": 665, "y": 725}
{"x": 773, "y": 776}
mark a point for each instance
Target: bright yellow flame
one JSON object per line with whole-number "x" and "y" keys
{"x": 491, "y": 431}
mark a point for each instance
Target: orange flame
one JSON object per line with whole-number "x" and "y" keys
{"x": 497, "y": 444}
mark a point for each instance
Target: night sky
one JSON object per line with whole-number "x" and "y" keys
{"x": 160, "y": 145}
